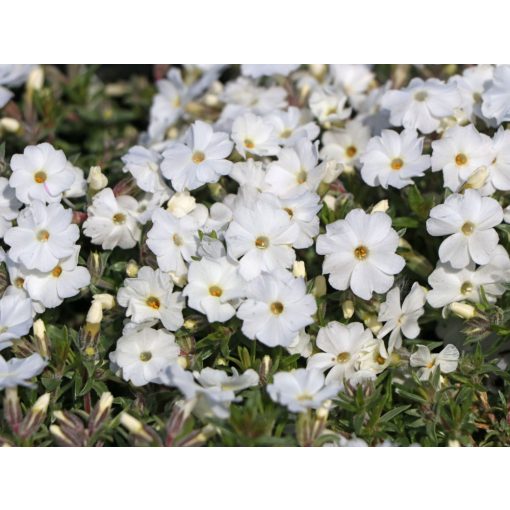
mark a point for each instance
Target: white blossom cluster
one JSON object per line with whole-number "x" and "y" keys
{"x": 242, "y": 255}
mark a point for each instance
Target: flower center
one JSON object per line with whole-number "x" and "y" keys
{"x": 276, "y": 308}
{"x": 351, "y": 151}
{"x": 119, "y": 218}
{"x": 43, "y": 235}
{"x": 466, "y": 288}
{"x": 198, "y": 157}
{"x": 262, "y": 242}
{"x": 289, "y": 211}
{"x": 343, "y": 357}
{"x": 40, "y": 177}
{"x": 420, "y": 96}
{"x": 380, "y": 360}
{"x": 57, "y": 271}
{"x": 305, "y": 396}
{"x": 177, "y": 239}
{"x": 468, "y": 228}
{"x": 460, "y": 159}
{"x": 215, "y": 291}
{"x": 249, "y": 143}
{"x": 430, "y": 364}
{"x": 286, "y": 133}
{"x": 397, "y": 164}
{"x": 301, "y": 176}
{"x": 361, "y": 252}
{"x": 153, "y": 302}
{"x": 19, "y": 282}
{"x": 145, "y": 356}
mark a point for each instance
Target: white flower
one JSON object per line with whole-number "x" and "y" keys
{"x": 301, "y": 389}
{"x": 328, "y": 104}
{"x": 276, "y": 309}
{"x": 150, "y": 296}
{"x": 250, "y": 173}
{"x": 499, "y": 169}
{"x": 372, "y": 360}
{"x": 393, "y": 159}
{"x": 15, "y": 318}
{"x": 63, "y": 281}
{"x": 214, "y": 288}
{"x": 261, "y": 237}
{"x": 447, "y": 360}
{"x": 360, "y": 253}
{"x": 174, "y": 240}
{"x": 211, "y": 378}
{"x": 422, "y": 104}
{"x": 254, "y": 135}
{"x": 143, "y": 355}
{"x": 354, "y": 80}
{"x": 44, "y": 235}
{"x": 341, "y": 345}
{"x": 496, "y": 99}
{"x": 289, "y": 128}
{"x": 460, "y": 152}
{"x": 345, "y": 145}
{"x": 143, "y": 165}
{"x": 79, "y": 186}
{"x": 40, "y": 173}
{"x": 112, "y": 220}
{"x": 12, "y": 75}
{"x": 199, "y": 160}
{"x": 181, "y": 203}
{"x": 9, "y": 206}
{"x": 401, "y": 318}
{"x": 259, "y": 70}
{"x": 19, "y": 371}
{"x": 96, "y": 179}
{"x": 301, "y": 345}
{"x": 468, "y": 220}
{"x": 451, "y": 285}
{"x": 296, "y": 168}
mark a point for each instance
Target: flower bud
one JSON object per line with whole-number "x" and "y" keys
{"x": 265, "y": 369}
{"x": 463, "y": 310}
{"x": 96, "y": 179}
{"x": 319, "y": 288}
{"x": 42, "y": 340}
{"x": 101, "y": 412}
{"x": 332, "y": 170}
{"x": 35, "y": 80}
{"x": 9, "y": 125}
{"x": 95, "y": 313}
{"x": 179, "y": 280}
{"x": 381, "y": 206}
{"x": 330, "y": 202}
{"x": 35, "y": 417}
{"x": 181, "y": 204}
{"x": 372, "y": 323}
{"x": 318, "y": 71}
{"x": 298, "y": 269}
{"x": 198, "y": 438}
{"x": 12, "y": 409}
{"x": 182, "y": 361}
{"x": 348, "y": 309}
{"x": 132, "y": 269}
{"x": 477, "y": 179}
{"x": 107, "y": 301}
{"x": 135, "y": 427}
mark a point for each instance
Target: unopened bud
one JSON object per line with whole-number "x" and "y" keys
{"x": 330, "y": 202}
{"x": 381, "y": 206}
{"x": 35, "y": 80}
{"x": 332, "y": 170}
{"x": 182, "y": 361}
{"x": 132, "y": 269}
{"x": 179, "y": 280}
{"x": 463, "y": 310}
{"x": 12, "y": 409}
{"x": 35, "y": 416}
{"x": 318, "y": 71}
{"x": 135, "y": 427}
{"x": 348, "y": 309}
{"x": 100, "y": 412}
{"x": 95, "y": 313}
{"x": 298, "y": 269}
{"x": 9, "y": 125}
{"x": 42, "y": 340}
{"x": 107, "y": 301}
{"x": 200, "y": 437}
{"x": 265, "y": 368}
{"x": 373, "y": 324}
{"x": 60, "y": 437}
{"x": 96, "y": 179}
{"x": 477, "y": 179}
{"x": 181, "y": 204}
{"x": 319, "y": 288}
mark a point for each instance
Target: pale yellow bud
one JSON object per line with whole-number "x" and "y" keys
{"x": 179, "y": 280}
{"x": 320, "y": 287}
{"x": 95, "y": 313}
{"x": 348, "y": 309}
{"x": 332, "y": 170}
{"x": 10, "y": 125}
{"x": 330, "y": 202}
{"x": 181, "y": 204}
{"x": 477, "y": 179}
{"x": 182, "y": 361}
{"x": 41, "y": 404}
{"x": 381, "y": 206}
{"x": 107, "y": 301}
{"x": 105, "y": 402}
{"x": 35, "y": 80}
{"x": 132, "y": 269}
{"x": 96, "y": 179}
{"x": 463, "y": 310}
{"x": 134, "y": 426}
{"x": 373, "y": 324}
{"x": 298, "y": 269}
{"x": 39, "y": 328}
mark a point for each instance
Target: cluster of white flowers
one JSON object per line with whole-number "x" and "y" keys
{"x": 242, "y": 257}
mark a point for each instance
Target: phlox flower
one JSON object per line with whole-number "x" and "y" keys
{"x": 447, "y": 360}
{"x": 496, "y": 99}
{"x": 19, "y": 371}
{"x": 15, "y": 318}
{"x": 9, "y": 206}
{"x": 144, "y": 165}
{"x": 254, "y": 135}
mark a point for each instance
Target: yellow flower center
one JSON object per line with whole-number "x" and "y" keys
{"x": 420, "y": 96}
{"x": 468, "y": 228}
{"x": 351, "y": 151}
{"x": 431, "y": 363}
{"x": 301, "y": 176}
{"x": 119, "y": 218}
{"x": 19, "y": 282}
{"x": 153, "y": 302}
{"x": 289, "y": 211}
{"x": 43, "y": 235}
{"x": 249, "y": 143}
{"x": 397, "y": 164}
{"x": 343, "y": 357}
{"x": 466, "y": 288}
{"x": 57, "y": 271}
{"x": 198, "y": 157}
{"x": 305, "y": 396}
{"x": 460, "y": 159}
{"x": 145, "y": 356}
{"x": 286, "y": 133}
{"x": 40, "y": 177}
{"x": 380, "y": 360}
{"x": 361, "y": 252}
{"x": 276, "y": 308}
{"x": 215, "y": 291}
{"x": 262, "y": 242}
{"x": 177, "y": 239}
